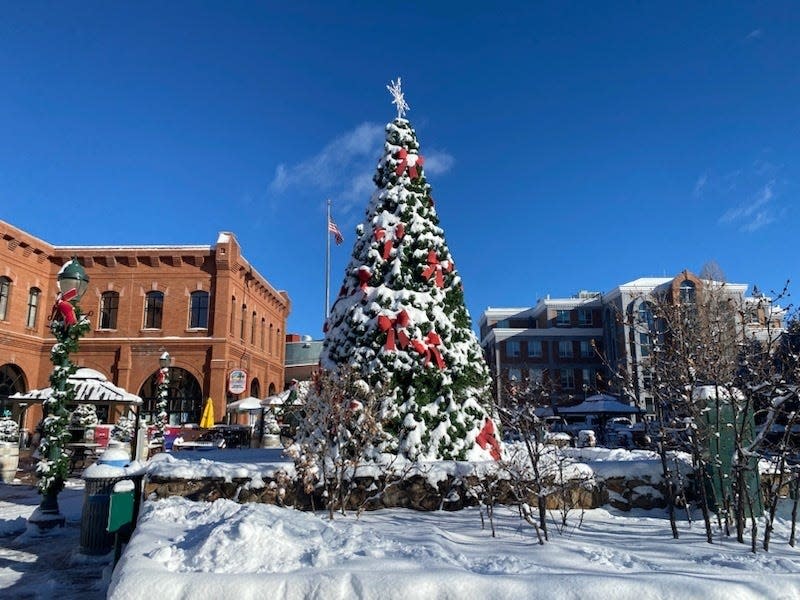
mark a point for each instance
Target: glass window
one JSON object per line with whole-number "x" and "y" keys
{"x": 565, "y": 349}
{"x": 562, "y": 318}
{"x": 585, "y": 317}
{"x": 5, "y": 291}
{"x": 536, "y": 375}
{"x": 534, "y": 348}
{"x": 567, "y": 379}
{"x": 586, "y": 349}
{"x": 233, "y": 313}
{"x": 33, "y": 307}
{"x": 512, "y": 348}
{"x": 241, "y": 324}
{"x": 109, "y": 306}
{"x": 514, "y": 374}
{"x": 253, "y": 322}
{"x": 269, "y": 338}
{"x": 644, "y": 343}
{"x": 688, "y": 292}
{"x": 153, "y": 310}
{"x": 198, "y": 310}
{"x": 263, "y": 327}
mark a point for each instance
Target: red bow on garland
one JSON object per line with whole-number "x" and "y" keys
{"x": 487, "y": 438}
{"x": 396, "y": 326}
{"x": 403, "y": 157}
{"x": 436, "y": 268}
{"x": 427, "y": 347}
{"x": 388, "y": 244}
{"x": 64, "y": 307}
{"x": 364, "y": 275}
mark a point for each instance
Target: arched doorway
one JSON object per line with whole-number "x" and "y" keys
{"x": 184, "y": 397}
{"x": 255, "y": 388}
{"x": 272, "y": 390}
{"x": 12, "y": 380}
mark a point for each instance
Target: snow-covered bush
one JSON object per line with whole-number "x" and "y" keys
{"x": 271, "y": 424}
{"x": 123, "y": 429}
{"x": 84, "y": 415}
{"x": 9, "y": 430}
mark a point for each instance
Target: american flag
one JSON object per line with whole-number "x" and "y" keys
{"x": 334, "y": 229}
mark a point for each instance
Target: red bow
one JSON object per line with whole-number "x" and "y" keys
{"x": 64, "y": 307}
{"x": 427, "y": 347}
{"x": 403, "y": 156}
{"x": 435, "y": 268}
{"x": 398, "y": 325}
{"x": 388, "y": 244}
{"x": 487, "y": 438}
{"x": 363, "y": 277}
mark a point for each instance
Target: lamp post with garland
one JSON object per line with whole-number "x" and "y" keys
{"x": 162, "y": 391}
{"x": 68, "y": 325}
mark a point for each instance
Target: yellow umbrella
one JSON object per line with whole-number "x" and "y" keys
{"x": 207, "y": 420}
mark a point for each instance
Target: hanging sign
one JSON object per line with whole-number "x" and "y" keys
{"x": 237, "y": 381}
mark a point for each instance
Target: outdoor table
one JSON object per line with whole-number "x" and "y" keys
{"x": 81, "y": 452}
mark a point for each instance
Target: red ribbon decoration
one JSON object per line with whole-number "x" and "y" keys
{"x": 402, "y": 156}
{"x": 388, "y": 244}
{"x": 427, "y": 347}
{"x": 363, "y": 277}
{"x": 396, "y": 326}
{"x": 436, "y": 268}
{"x": 64, "y": 307}
{"x": 487, "y": 438}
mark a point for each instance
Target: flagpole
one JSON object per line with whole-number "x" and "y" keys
{"x": 328, "y": 262}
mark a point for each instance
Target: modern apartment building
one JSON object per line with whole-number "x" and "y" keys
{"x": 557, "y": 342}
{"x": 578, "y": 345}
{"x": 205, "y": 305}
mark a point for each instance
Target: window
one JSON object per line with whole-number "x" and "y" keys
{"x": 33, "y": 307}
{"x": 269, "y": 339}
{"x": 567, "y": 379}
{"x": 644, "y": 343}
{"x": 241, "y": 323}
{"x": 109, "y": 306}
{"x": 534, "y": 348}
{"x": 646, "y": 316}
{"x": 586, "y": 349}
{"x": 647, "y": 380}
{"x": 514, "y": 374}
{"x": 198, "y": 310}
{"x": 562, "y": 318}
{"x": 5, "y": 291}
{"x": 585, "y": 317}
{"x": 688, "y": 292}
{"x": 588, "y": 377}
{"x": 263, "y": 327}
{"x": 233, "y": 314}
{"x": 153, "y": 310}
{"x": 502, "y": 324}
{"x": 565, "y": 349}
{"x": 536, "y": 376}
{"x": 512, "y": 349}
{"x": 253, "y": 323}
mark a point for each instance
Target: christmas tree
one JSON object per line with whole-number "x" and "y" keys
{"x": 400, "y": 318}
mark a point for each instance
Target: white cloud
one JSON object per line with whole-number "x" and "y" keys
{"x": 699, "y": 185}
{"x": 755, "y": 213}
{"x": 344, "y": 167}
{"x": 754, "y": 35}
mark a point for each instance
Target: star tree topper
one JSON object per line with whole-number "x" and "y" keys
{"x": 399, "y": 101}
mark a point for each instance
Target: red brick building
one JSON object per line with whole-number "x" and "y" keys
{"x": 205, "y": 305}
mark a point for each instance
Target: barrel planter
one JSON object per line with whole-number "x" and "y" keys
{"x": 9, "y": 461}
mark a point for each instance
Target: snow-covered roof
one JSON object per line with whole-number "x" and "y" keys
{"x": 90, "y": 387}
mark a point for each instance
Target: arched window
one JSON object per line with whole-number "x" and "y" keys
{"x": 255, "y": 388}
{"x": 253, "y": 323}
{"x": 109, "y": 305}
{"x": 153, "y": 310}
{"x": 278, "y": 344}
{"x": 241, "y": 325}
{"x": 198, "y": 310}
{"x": 263, "y": 328}
{"x": 688, "y": 292}
{"x": 5, "y": 292}
{"x": 33, "y": 307}
{"x": 233, "y": 313}
{"x": 270, "y": 338}
{"x": 184, "y": 397}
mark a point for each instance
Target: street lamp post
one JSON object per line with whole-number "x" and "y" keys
{"x": 162, "y": 390}
{"x": 68, "y": 324}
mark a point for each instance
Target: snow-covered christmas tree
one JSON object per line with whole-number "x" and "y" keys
{"x": 400, "y": 318}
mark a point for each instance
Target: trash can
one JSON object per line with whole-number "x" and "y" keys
{"x": 99, "y": 481}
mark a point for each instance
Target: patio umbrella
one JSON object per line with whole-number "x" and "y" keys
{"x": 207, "y": 420}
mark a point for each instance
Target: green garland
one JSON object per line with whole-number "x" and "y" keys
{"x": 53, "y": 467}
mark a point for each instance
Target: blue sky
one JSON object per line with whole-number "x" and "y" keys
{"x": 569, "y": 145}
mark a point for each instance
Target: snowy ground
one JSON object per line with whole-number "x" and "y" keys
{"x": 215, "y": 550}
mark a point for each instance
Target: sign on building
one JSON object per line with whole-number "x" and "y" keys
{"x": 237, "y": 381}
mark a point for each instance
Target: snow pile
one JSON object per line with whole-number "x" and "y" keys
{"x": 183, "y": 549}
